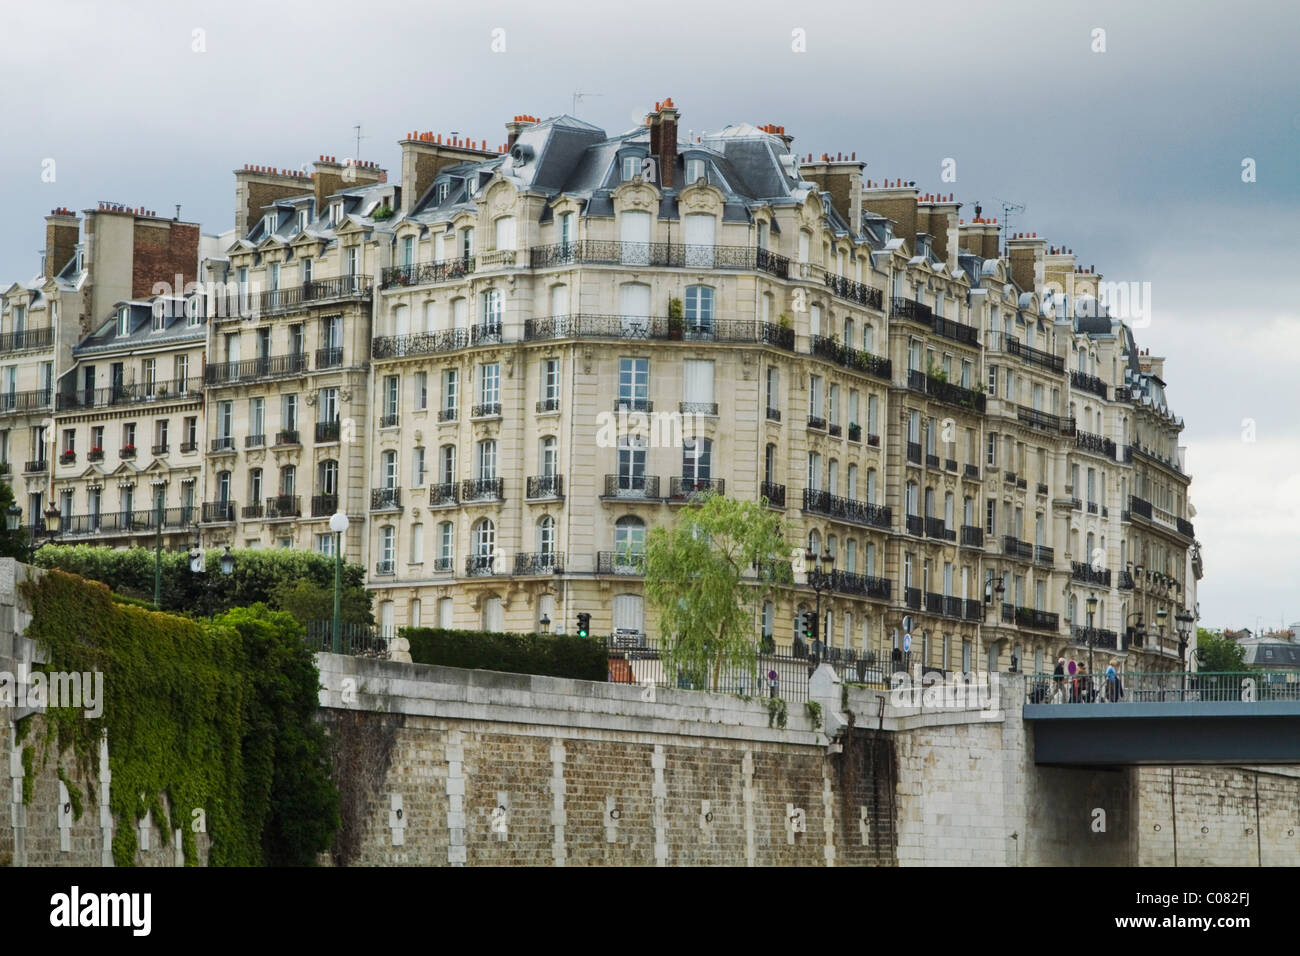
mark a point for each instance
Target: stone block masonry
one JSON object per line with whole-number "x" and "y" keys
{"x": 508, "y": 769}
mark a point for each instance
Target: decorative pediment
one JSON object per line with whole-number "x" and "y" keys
{"x": 636, "y": 195}
{"x": 811, "y": 212}
{"x": 499, "y": 196}
{"x": 699, "y": 197}
{"x": 565, "y": 204}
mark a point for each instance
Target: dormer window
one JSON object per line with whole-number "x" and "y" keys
{"x": 923, "y": 246}
{"x": 440, "y": 192}
{"x": 194, "y": 310}
{"x": 302, "y": 220}
{"x": 123, "y": 321}
{"x": 160, "y": 308}
{"x": 268, "y": 224}
{"x": 694, "y": 170}
{"x": 336, "y": 213}
{"x": 631, "y": 168}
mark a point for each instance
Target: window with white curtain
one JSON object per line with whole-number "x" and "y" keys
{"x": 697, "y": 376}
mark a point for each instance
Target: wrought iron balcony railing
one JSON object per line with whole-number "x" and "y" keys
{"x": 1095, "y": 637}
{"x": 28, "y": 401}
{"x": 540, "y": 562}
{"x": 631, "y": 486}
{"x": 1045, "y": 420}
{"x": 27, "y": 339}
{"x": 945, "y": 392}
{"x": 1088, "y": 383}
{"x": 774, "y": 493}
{"x": 309, "y": 293}
{"x": 443, "y": 493}
{"x": 222, "y": 443}
{"x": 173, "y": 390}
{"x": 854, "y": 291}
{"x": 1016, "y": 548}
{"x": 482, "y": 489}
{"x": 419, "y": 343}
{"x": 1083, "y": 572}
{"x": 486, "y": 410}
{"x": 328, "y": 358}
{"x": 684, "y": 488}
{"x": 1094, "y": 443}
{"x": 620, "y": 562}
{"x": 287, "y": 437}
{"x": 856, "y": 359}
{"x": 972, "y": 536}
{"x": 284, "y": 506}
{"x": 322, "y": 506}
{"x": 385, "y": 499}
{"x": 214, "y": 512}
{"x": 327, "y": 432}
{"x": 915, "y": 524}
{"x": 256, "y": 369}
{"x": 845, "y": 509}
{"x": 544, "y": 486}
{"x": 1053, "y": 363}
{"x": 844, "y": 582}
{"x": 698, "y": 408}
{"x": 646, "y": 327}
{"x": 425, "y": 273}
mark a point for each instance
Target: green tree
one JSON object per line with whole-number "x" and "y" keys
{"x": 1214, "y": 652}
{"x": 13, "y": 541}
{"x": 307, "y": 601}
{"x": 287, "y": 784}
{"x": 701, "y": 582}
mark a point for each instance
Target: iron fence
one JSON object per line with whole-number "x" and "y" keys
{"x": 360, "y": 640}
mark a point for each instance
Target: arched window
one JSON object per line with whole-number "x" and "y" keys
{"x": 629, "y": 546}
{"x": 401, "y": 320}
{"x": 868, "y": 337}
{"x": 833, "y": 477}
{"x": 546, "y": 541}
{"x": 483, "y": 543}
{"x": 491, "y": 315}
{"x": 327, "y": 479}
{"x": 871, "y": 486}
{"x": 851, "y": 556}
{"x": 815, "y": 542}
{"x": 851, "y": 485}
{"x": 494, "y": 618}
{"x": 848, "y": 332}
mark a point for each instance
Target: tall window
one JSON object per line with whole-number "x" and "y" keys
{"x": 489, "y": 387}
{"x": 492, "y": 310}
{"x": 697, "y": 460}
{"x": 699, "y": 309}
{"x": 327, "y": 479}
{"x": 388, "y": 469}
{"x": 450, "y": 389}
{"x": 698, "y": 382}
{"x": 550, "y": 385}
{"x": 421, "y": 390}
{"x": 417, "y": 468}
{"x": 634, "y": 383}
{"x": 487, "y": 460}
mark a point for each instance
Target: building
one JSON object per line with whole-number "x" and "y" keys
{"x": 510, "y": 364}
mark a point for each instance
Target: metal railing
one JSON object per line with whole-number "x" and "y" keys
{"x": 647, "y": 327}
{"x": 631, "y": 563}
{"x": 1053, "y": 363}
{"x": 540, "y": 562}
{"x": 289, "y": 437}
{"x": 544, "y": 486}
{"x": 323, "y": 506}
{"x": 218, "y": 511}
{"x": 29, "y": 401}
{"x": 255, "y": 369}
{"x": 631, "y": 486}
{"x": 382, "y": 499}
{"x": 359, "y": 640}
{"x": 854, "y": 291}
{"x": 284, "y": 506}
{"x": 427, "y": 272}
{"x": 329, "y": 358}
{"x": 972, "y": 536}
{"x": 27, "y": 339}
{"x": 1045, "y": 420}
{"x": 1166, "y": 687}
{"x": 1086, "y": 573}
{"x": 308, "y": 293}
{"x": 443, "y": 493}
{"x": 420, "y": 343}
{"x": 774, "y": 493}
{"x": 1095, "y": 443}
{"x": 1088, "y": 383}
{"x": 682, "y": 489}
{"x": 844, "y": 509}
{"x": 326, "y": 432}
{"x": 482, "y": 489}
{"x": 179, "y": 389}
{"x": 857, "y": 359}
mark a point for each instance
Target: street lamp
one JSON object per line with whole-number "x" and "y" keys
{"x": 227, "y": 562}
{"x": 338, "y": 524}
{"x": 1092, "y": 606}
{"x": 820, "y": 578}
{"x": 545, "y": 623}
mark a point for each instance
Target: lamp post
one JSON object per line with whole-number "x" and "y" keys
{"x": 227, "y": 562}
{"x": 1092, "y": 607}
{"x": 157, "y": 550}
{"x": 338, "y": 524}
{"x": 545, "y": 623}
{"x": 820, "y": 578}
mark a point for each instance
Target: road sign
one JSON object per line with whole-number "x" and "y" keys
{"x": 907, "y": 643}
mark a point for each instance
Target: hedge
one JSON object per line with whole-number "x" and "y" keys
{"x": 259, "y": 576}
{"x": 549, "y": 655}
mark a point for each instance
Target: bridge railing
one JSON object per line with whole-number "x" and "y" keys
{"x": 1163, "y": 687}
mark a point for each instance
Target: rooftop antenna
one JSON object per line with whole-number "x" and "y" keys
{"x": 178, "y": 210}
{"x": 579, "y": 97}
{"x": 1008, "y": 208}
{"x": 357, "y": 127}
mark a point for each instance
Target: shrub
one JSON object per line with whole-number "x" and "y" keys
{"x": 550, "y": 655}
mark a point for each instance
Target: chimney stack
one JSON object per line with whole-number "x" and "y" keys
{"x": 62, "y": 230}
{"x": 517, "y": 126}
{"x": 331, "y": 176}
{"x": 1027, "y": 255}
{"x": 663, "y": 141}
{"x": 425, "y": 154}
{"x": 842, "y": 178}
{"x": 258, "y": 186}
{"x": 895, "y": 201}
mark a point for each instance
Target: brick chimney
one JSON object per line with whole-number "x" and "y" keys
{"x": 163, "y": 250}
{"x": 842, "y": 178}
{"x": 331, "y": 176}
{"x": 259, "y": 186}
{"x": 937, "y": 217}
{"x": 897, "y": 201}
{"x": 1027, "y": 254}
{"x": 517, "y": 126}
{"x": 980, "y": 236}
{"x": 663, "y": 141}
{"x": 62, "y": 231}
{"x": 424, "y": 155}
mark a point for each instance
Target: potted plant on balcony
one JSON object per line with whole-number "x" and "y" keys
{"x": 855, "y": 431}
{"x": 676, "y": 320}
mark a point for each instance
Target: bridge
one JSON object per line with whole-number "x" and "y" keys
{"x": 1168, "y": 719}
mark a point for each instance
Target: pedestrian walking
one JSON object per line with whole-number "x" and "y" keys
{"x": 1114, "y": 686}
{"x": 1058, "y": 682}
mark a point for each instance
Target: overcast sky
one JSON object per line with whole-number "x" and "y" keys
{"x": 1131, "y": 156}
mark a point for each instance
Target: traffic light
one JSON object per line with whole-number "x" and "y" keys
{"x": 584, "y": 624}
{"x": 807, "y": 626}
{"x": 812, "y": 627}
